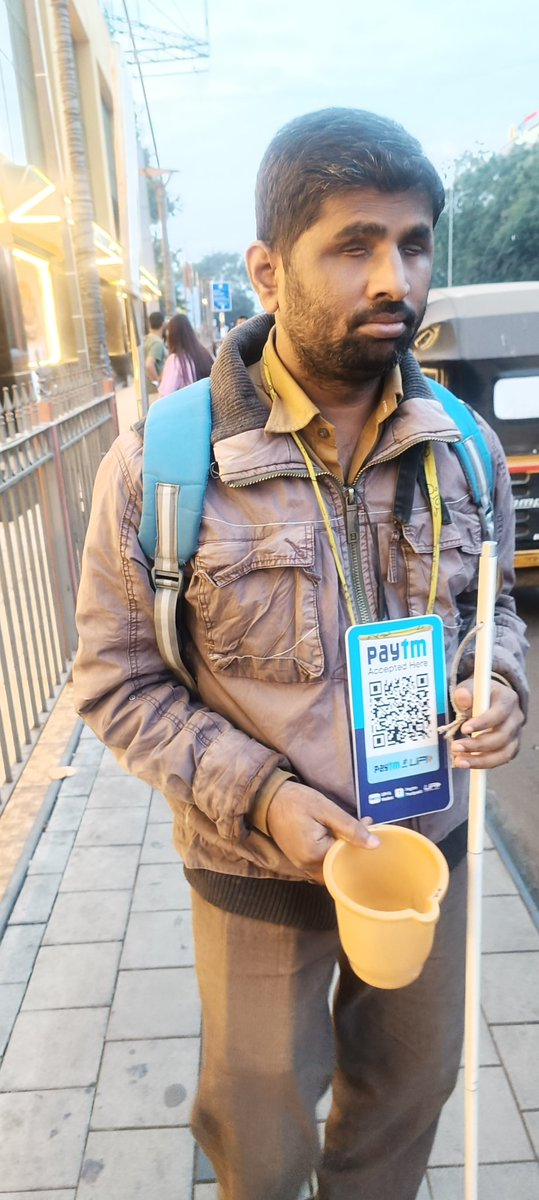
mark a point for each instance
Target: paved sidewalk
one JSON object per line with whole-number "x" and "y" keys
{"x": 100, "y": 1021}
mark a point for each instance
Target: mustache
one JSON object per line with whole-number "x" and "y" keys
{"x": 401, "y": 312}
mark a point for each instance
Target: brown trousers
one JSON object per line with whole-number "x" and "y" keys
{"x": 271, "y": 1050}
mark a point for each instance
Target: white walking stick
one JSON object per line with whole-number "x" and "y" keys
{"x": 478, "y": 783}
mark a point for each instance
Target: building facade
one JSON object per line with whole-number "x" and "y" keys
{"x": 42, "y": 324}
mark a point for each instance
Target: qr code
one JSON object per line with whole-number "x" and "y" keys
{"x": 400, "y": 710}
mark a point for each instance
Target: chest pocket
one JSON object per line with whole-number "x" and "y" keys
{"x": 257, "y": 596}
{"x": 460, "y": 547}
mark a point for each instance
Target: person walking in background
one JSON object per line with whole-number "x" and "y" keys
{"x": 155, "y": 354}
{"x": 188, "y": 360}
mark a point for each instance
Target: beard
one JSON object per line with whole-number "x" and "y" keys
{"x": 349, "y": 357}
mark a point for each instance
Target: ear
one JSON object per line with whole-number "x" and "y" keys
{"x": 263, "y": 266}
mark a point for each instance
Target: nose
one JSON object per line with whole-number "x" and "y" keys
{"x": 387, "y": 276}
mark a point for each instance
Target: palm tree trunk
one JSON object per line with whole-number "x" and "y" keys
{"x": 81, "y": 196}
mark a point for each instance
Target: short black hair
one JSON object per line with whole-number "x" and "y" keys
{"x": 156, "y": 320}
{"x": 330, "y": 151}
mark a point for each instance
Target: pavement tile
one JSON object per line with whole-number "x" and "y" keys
{"x": 59, "y": 1048}
{"x": 423, "y": 1193}
{"x": 43, "y": 1138}
{"x": 158, "y": 846}
{"x": 496, "y": 878}
{"x": 88, "y": 753}
{"x": 204, "y": 1170}
{"x": 81, "y": 783}
{"x": 155, "y": 1003}
{"x": 162, "y": 939}
{"x": 119, "y": 791}
{"x": 519, "y": 1050}
{"x": 488, "y": 1055}
{"x": 11, "y": 995}
{"x": 161, "y": 886}
{"x": 502, "y": 1136}
{"x": 62, "y": 1195}
{"x": 126, "y": 1164}
{"x": 517, "y": 1181}
{"x": 146, "y": 1083}
{"x": 206, "y": 1191}
{"x": 507, "y": 925}
{"x": 18, "y": 950}
{"x": 36, "y": 899}
{"x": 324, "y": 1105}
{"x": 160, "y": 810}
{"x": 67, "y": 813}
{"x": 532, "y": 1123}
{"x": 73, "y": 976}
{"x": 109, "y": 827}
{"x": 111, "y": 766}
{"x": 52, "y": 852}
{"x": 88, "y": 917}
{"x": 100, "y": 868}
{"x": 510, "y": 987}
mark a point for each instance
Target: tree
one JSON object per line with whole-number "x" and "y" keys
{"x": 495, "y": 227}
{"x": 81, "y": 196}
{"x": 230, "y": 268}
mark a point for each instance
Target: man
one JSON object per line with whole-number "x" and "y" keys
{"x": 155, "y": 353}
{"x": 257, "y": 765}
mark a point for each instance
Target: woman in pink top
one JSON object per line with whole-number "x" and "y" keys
{"x": 187, "y": 361}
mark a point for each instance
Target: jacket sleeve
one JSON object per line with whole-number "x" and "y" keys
{"x": 124, "y": 690}
{"x": 510, "y": 642}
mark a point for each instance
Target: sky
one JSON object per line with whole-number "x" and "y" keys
{"x": 456, "y": 74}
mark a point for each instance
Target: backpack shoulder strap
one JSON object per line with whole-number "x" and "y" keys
{"x": 176, "y": 464}
{"x": 473, "y": 454}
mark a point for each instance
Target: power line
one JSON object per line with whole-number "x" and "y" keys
{"x": 142, "y": 84}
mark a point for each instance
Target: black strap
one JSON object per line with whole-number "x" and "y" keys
{"x": 411, "y": 471}
{"x": 407, "y": 477}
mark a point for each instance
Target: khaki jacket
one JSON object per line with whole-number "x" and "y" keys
{"x": 264, "y": 618}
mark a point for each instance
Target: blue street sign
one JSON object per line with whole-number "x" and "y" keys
{"x": 221, "y": 297}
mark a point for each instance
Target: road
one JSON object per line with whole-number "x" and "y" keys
{"x": 513, "y": 791}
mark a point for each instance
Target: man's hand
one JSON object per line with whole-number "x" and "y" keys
{"x": 497, "y": 730}
{"x": 304, "y": 824}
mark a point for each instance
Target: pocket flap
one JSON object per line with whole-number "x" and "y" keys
{"x": 462, "y": 534}
{"x": 260, "y": 547}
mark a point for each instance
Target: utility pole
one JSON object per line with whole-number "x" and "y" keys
{"x": 451, "y": 215}
{"x": 160, "y": 178}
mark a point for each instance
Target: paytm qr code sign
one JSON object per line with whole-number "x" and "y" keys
{"x": 398, "y": 698}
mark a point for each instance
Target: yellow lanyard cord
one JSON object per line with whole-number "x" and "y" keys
{"x": 318, "y": 494}
{"x": 436, "y": 510}
{"x": 329, "y": 531}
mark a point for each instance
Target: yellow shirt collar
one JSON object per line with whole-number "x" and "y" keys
{"x": 292, "y": 410}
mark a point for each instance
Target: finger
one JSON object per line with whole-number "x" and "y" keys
{"x": 344, "y": 826}
{"x": 486, "y": 742}
{"x": 484, "y": 762}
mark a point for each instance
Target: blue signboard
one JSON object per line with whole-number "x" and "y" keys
{"x": 396, "y": 675}
{"x": 221, "y": 297}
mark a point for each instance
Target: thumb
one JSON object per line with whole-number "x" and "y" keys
{"x": 344, "y": 826}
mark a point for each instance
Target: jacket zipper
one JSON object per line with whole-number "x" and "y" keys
{"x": 351, "y": 517}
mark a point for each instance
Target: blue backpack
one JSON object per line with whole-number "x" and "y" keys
{"x": 175, "y": 477}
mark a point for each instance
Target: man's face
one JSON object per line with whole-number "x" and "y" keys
{"x": 354, "y": 289}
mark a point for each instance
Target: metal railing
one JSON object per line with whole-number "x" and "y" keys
{"x": 51, "y": 444}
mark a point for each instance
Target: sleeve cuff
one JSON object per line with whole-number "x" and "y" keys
{"x": 259, "y": 812}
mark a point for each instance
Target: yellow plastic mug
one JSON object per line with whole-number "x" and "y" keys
{"x": 388, "y": 903}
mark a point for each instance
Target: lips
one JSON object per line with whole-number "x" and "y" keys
{"x": 385, "y": 325}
